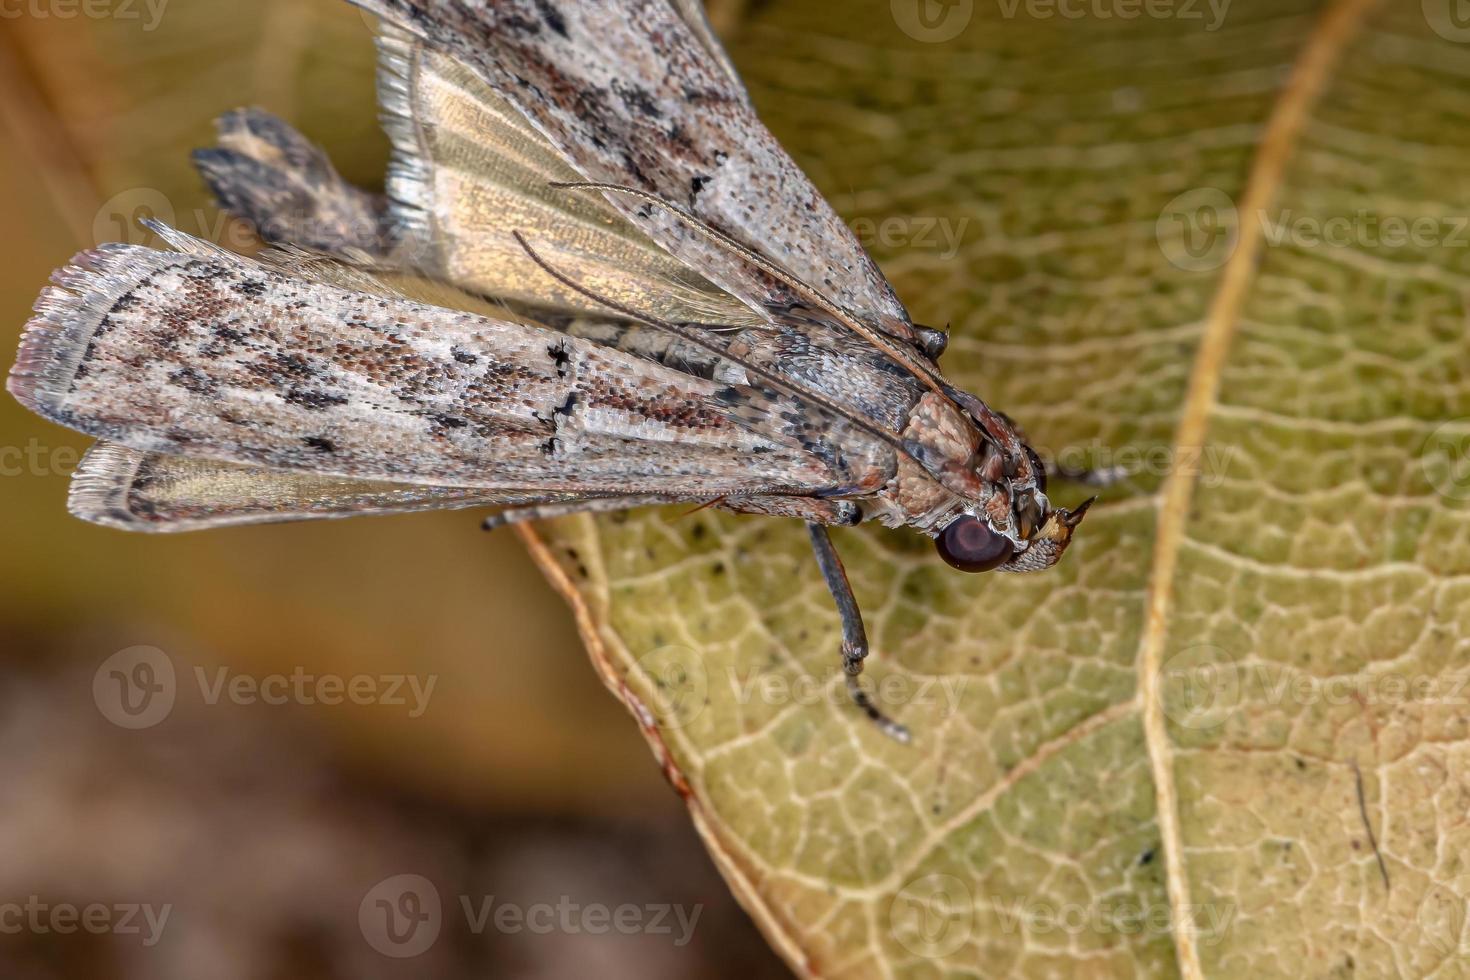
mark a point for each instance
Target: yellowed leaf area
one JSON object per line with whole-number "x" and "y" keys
{"x": 1227, "y": 253}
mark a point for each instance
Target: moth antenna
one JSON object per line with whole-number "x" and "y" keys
{"x": 891, "y": 439}
{"x": 812, "y": 295}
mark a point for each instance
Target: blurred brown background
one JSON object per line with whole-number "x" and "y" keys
{"x": 265, "y": 828}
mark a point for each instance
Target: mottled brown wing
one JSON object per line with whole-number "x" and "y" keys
{"x": 216, "y": 357}
{"x": 628, "y": 94}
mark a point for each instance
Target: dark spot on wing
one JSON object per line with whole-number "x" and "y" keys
{"x": 637, "y": 99}
{"x": 320, "y": 444}
{"x": 552, "y": 16}
{"x": 315, "y": 401}
{"x": 561, "y": 357}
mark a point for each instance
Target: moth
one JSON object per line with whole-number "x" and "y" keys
{"x": 595, "y": 282}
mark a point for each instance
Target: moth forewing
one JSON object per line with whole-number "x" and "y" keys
{"x": 224, "y": 358}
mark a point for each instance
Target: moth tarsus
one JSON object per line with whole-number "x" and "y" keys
{"x": 854, "y": 635}
{"x": 415, "y": 350}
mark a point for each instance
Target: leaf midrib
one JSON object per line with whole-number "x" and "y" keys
{"x": 1337, "y": 27}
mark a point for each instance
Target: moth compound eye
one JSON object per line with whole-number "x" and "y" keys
{"x": 968, "y": 543}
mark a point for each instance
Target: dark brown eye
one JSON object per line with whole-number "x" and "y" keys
{"x": 968, "y": 543}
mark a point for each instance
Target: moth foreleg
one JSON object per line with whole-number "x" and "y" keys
{"x": 854, "y": 636}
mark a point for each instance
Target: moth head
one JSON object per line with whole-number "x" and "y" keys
{"x": 1010, "y": 525}
{"x": 971, "y": 542}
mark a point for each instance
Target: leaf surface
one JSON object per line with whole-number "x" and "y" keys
{"x": 1186, "y": 749}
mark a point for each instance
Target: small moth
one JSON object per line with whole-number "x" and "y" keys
{"x": 595, "y": 282}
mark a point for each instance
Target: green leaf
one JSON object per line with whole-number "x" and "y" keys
{"x": 1146, "y": 761}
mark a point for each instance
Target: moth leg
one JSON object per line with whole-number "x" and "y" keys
{"x": 854, "y": 636}
{"x": 266, "y": 173}
{"x": 586, "y": 505}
